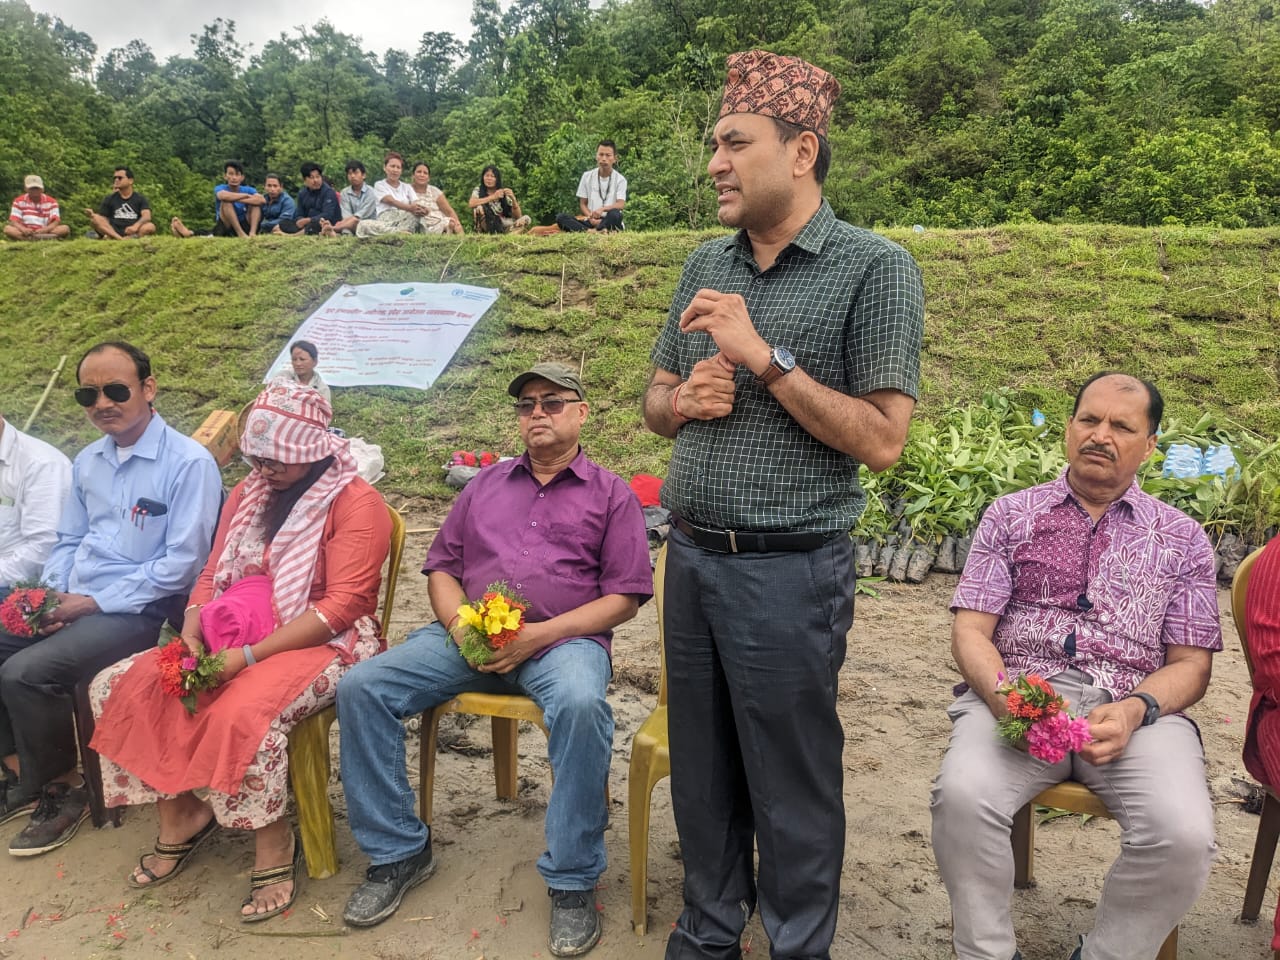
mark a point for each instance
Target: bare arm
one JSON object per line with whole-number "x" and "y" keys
{"x": 1177, "y": 685}
{"x": 448, "y": 210}
{"x": 976, "y": 655}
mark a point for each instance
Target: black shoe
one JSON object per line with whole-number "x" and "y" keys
{"x": 1075, "y": 954}
{"x": 58, "y": 814}
{"x": 14, "y": 801}
{"x": 385, "y": 886}
{"x": 575, "y": 922}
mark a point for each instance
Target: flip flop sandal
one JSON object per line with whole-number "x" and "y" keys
{"x": 264, "y": 878}
{"x": 178, "y": 852}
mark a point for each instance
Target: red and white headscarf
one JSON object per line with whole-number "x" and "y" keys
{"x": 288, "y": 423}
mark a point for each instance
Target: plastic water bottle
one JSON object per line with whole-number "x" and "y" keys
{"x": 1183, "y": 461}
{"x": 1218, "y": 460}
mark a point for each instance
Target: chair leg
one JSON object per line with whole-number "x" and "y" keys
{"x": 309, "y": 777}
{"x": 89, "y": 762}
{"x": 639, "y": 792}
{"x": 506, "y": 737}
{"x": 1023, "y": 838}
{"x": 1169, "y": 949}
{"x": 1264, "y": 852}
{"x": 430, "y": 731}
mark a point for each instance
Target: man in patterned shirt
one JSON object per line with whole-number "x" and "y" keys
{"x": 34, "y": 215}
{"x": 1110, "y": 595}
{"x": 790, "y": 356}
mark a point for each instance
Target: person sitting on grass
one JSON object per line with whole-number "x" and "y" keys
{"x": 317, "y": 201}
{"x": 356, "y": 203}
{"x": 432, "y": 209}
{"x": 602, "y": 193}
{"x": 237, "y": 207}
{"x": 124, "y": 213}
{"x": 34, "y": 214}
{"x": 278, "y": 211}
{"x": 396, "y": 212}
{"x": 297, "y": 559}
{"x": 495, "y": 207}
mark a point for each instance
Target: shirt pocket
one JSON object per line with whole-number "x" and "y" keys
{"x": 142, "y": 539}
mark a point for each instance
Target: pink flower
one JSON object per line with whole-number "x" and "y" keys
{"x": 189, "y": 663}
{"x": 1078, "y": 733}
{"x": 1049, "y": 739}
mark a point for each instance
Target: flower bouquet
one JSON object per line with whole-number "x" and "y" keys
{"x": 468, "y": 458}
{"x": 1038, "y": 719}
{"x": 182, "y": 673}
{"x": 27, "y": 603}
{"x": 490, "y": 623}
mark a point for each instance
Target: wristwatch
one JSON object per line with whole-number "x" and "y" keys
{"x": 1153, "y": 707}
{"x": 781, "y": 362}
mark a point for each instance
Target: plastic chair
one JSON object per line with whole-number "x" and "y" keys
{"x": 309, "y": 760}
{"x": 1264, "y": 846}
{"x": 650, "y": 762}
{"x": 1077, "y": 798}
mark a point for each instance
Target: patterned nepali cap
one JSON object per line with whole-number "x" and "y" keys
{"x": 787, "y": 88}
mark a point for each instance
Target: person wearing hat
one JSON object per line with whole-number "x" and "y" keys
{"x": 569, "y": 536}
{"x": 34, "y": 215}
{"x": 790, "y": 357}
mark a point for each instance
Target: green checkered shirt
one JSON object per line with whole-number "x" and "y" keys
{"x": 850, "y": 305}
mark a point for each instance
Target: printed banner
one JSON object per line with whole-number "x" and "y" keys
{"x": 399, "y": 334}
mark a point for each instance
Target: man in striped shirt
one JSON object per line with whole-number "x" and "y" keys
{"x": 34, "y": 214}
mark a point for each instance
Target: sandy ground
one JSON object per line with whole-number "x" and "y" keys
{"x": 487, "y": 901}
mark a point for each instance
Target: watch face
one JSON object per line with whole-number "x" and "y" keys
{"x": 783, "y": 360}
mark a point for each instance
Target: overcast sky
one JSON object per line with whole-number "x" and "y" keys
{"x": 166, "y": 25}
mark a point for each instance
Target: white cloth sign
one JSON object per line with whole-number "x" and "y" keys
{"x": 399, "y": 334}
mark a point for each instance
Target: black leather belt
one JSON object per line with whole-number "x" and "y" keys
{"x": 751, "y": 541}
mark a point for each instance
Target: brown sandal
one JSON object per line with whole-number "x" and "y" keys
{"x": 265, "y": 878}
{"x": 178, "y": 852}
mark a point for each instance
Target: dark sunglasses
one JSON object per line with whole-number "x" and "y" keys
{"x": 115, "y": 392}
{"x": 551, "y": 406}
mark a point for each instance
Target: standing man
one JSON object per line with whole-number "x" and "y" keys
{"x": 355, "y": 203}
{"x": 1111, "y": 596}
{"x": 569, "y": 536}
{"x": 790, "y": 357}
{"x": 35, "y": 215}
{"x": 124, "y": 212}
{"x": 134, "y": 533}
{"x": 602, "y": 193}
{"x": 317, "y": 201}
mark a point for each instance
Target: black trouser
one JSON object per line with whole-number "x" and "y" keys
{"x": 754, "y": 646}
{"x": 612, "y": 220}
{"x": 38, "y": 674}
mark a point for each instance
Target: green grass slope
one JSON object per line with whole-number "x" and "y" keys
{"x": 1035, "y": 309}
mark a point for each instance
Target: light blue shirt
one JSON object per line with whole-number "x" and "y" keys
{"x": 107, "y": 549}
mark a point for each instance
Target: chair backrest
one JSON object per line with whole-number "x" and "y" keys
{"x": 394, "y": 556}
{"x": 1239, "y": 586}
{"x": 659, "y": 584}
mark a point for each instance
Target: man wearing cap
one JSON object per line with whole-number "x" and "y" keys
{"x": 790, "y": 357}
{"x": 35, "y": 215}
{"x": 569, "y": 536}
{"x": 134, "y": 533}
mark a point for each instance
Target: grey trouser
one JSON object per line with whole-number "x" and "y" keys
{"x": 1156, "y": 791}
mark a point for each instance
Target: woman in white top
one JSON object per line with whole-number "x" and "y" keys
{"x": 396, "y": 208}
{"x": 303, "y": 356}
{"x": 434, "y": 213}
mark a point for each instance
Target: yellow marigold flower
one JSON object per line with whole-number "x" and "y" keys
{"x": 469, "y": 615}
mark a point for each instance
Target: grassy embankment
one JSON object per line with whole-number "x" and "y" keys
{"x": 1034, "y": 308}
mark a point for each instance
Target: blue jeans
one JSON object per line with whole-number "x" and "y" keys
{"x": 568, "y": 683}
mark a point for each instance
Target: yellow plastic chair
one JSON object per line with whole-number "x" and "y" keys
{"x": 1264, "y": 845}
{"x": 650, "y": 762}
{"x": 1077, "y": 798}
{"x": 309, "y": 761}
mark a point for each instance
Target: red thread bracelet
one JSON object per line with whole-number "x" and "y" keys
{"x": 675, "y": 396}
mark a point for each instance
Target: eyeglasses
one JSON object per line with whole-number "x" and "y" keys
{"x": 115, "y": 392}
{"x": 551, "y": 406}
{"x": 263, "y": 465}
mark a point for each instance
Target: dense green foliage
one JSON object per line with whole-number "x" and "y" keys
{"x": 955, "y": 113}
{"x": 1030, "y": 309}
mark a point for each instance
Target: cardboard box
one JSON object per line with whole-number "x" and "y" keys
{"x": 220, "y": 435}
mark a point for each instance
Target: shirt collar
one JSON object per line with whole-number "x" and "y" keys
{"x": 148, "y": 445}
{"x": 811, "y": 238}
{"x": 1136, "y": 503}
{"x": 577, "y": 466}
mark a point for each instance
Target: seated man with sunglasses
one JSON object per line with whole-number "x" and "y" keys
{"x": 1109, "y": 594}
{"x": 134, "y": 534}
{"x": 569, "y": 536}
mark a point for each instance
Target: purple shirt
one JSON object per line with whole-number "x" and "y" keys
{"x": 1145, "y": 570}
{"x": 576, "y": 539}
